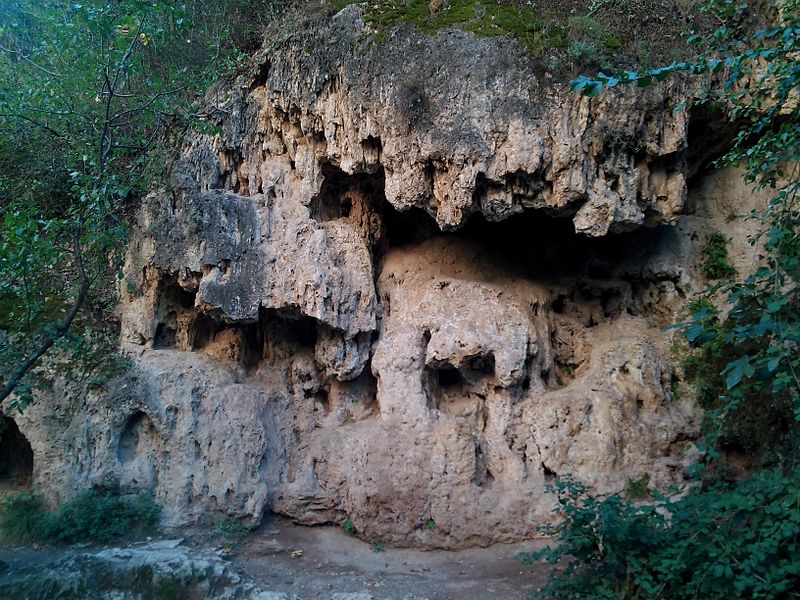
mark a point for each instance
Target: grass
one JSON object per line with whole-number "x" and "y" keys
{"x": 92, "y": 516}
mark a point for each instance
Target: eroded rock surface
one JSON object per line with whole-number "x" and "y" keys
{"x": 400, "y": 288}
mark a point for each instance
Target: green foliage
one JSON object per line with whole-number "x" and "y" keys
{"x": 377, "y": 546}
{"x": 230, "y": 529}
{"x": 102, "y": 517}
{"x": 587, "y": 32}
{"x": 723, "y": 539}
{"x": 637, "y": 488}
{"x": 22, "y": 519}
{"x": 430, "y": 525}
{"x": 739, "y": 541}
{"x": 348, "y": 527}
{"x": 91, "y": 517}
{"x": 88, "y": 92}
{"x": 759, "y": 337}
{"x": 716, "y": 264}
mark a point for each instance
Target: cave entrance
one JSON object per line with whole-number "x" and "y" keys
{"x": 16, "y": 455}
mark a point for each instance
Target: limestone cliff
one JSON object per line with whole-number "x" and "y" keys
{"x": 408, "y": 284}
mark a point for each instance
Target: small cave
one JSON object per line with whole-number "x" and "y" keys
{"x": 286, "y": 332}
{"x": 549, "y": 475}
{"x": 242, "y": 343}
{"x": 458, "y": 391}
{"x": 138, "y": 452}
{"x": 409, "y": 226}
{"x": 174, "y": 301}
{"x": 171, "y": 294}
{"x": 16, "y": 455}
{"x": 166, "y": 336}
{"x": 344, "y": 196}
{"x": 448, "y": 378}
{"x": 709, "y": 136}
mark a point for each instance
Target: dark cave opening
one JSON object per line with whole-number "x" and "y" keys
{"x": 341, "y": 193}
{"x": 16, "y": 454}
{"x": 448, "y": 377}
{"x": 166, "y": 337}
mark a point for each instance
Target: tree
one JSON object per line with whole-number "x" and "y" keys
{"x": 87, "y": 91}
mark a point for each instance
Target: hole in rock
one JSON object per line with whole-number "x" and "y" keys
{"x": 323, "y": 399}
{"x": 138, "y": 452}
{"x": 709, "y": 136}
{"x": 342, "y": 195}
{"x": 172, "y": 295}
{"x": 481, "y": 365}
{"x": 449, "y": 377}
{"x": 261, "y": 77}
{"x": 482, "y": 476}
{"x": 459, "y": 392}
{"x": 239, "y": 342}
{"x": 165, "y": 337}
{"x": 549, "y": 474}
{"x": 16, "y": 455}
{"x": 410, "y": 226}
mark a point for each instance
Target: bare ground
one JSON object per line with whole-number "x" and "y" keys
{"x": 279, "y": 561}
{"x": 333, "y": 562}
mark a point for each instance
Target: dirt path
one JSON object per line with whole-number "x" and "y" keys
{"x": 336, "y": 565}
{"x": 280, "y": 561}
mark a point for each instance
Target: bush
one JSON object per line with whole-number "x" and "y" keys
{"x": 230, "y": 529}
{"x": 21, "y": 519}
{"x": 93, "y": 516}
{"x": 716, "y": 263}
{"x": 739, "y": 541}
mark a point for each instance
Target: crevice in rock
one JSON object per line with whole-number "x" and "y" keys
{"x": 262, "y": 75}
{"x": 16, "y": 455}
{"x": 166, "y": 335}
{"x": 482, "y": 477}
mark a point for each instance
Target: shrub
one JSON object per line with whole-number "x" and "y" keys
{"x": 91, "y": 517}
{"x": 21, "y": 519}
{"x": 348, "y": 527}
{"x": 102, "y": 517}
{"x": 230, "y": 529}
{"x": 726, "y": 541}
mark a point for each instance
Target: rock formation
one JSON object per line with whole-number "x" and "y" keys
{"x": 408, "y": 284}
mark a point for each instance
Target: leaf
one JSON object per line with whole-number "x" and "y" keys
{"x": 738, "y": 370}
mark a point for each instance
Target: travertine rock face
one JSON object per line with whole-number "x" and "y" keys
{"x": 401, "y": 287}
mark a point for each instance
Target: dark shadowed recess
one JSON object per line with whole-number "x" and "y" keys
{"x": 16, "y": 455}
{"x": 534, "y": 242}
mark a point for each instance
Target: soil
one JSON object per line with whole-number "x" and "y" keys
{"x": 333, "y": 562}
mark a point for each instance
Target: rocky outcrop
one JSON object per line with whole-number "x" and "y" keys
{"x": 401, "y": 287}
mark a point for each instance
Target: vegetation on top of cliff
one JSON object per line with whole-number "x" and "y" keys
{"x": 569, "y": 34}
{"x": 730, "y": 536}
{"x": 90, "y": 94}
